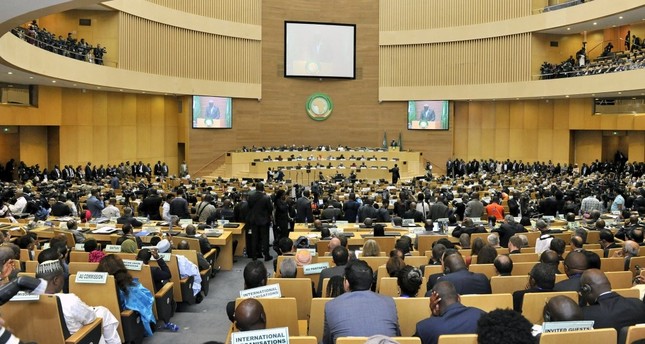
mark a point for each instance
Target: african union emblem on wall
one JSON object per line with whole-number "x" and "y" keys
{"x": 319, "y": 106}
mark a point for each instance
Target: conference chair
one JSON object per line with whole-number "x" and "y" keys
{"x": 605, "y": 335}
{"x": 432, "y": 269}
{"x": 524, "y": 257}
{"x": 636, "y": 264}
{"x": 415, "y": 261}
{"x": 75, "y": 267}
{"x": 183, "y": 294}
{"x": 281, "y": 312}
{"x": 361, "y": 340}
{"x": 457, "y": 339}
{"x": 612, "y": 251}
{"x": 523, "y": 269}
{"x": 191, "y": 255}
{"x": 31, "y": 266}
{"x": 303, "y": 340}
{"x": 385, "y": 243}
{"x": 632, "y": 334}
{"x": 375, "y": 262}
{"x": 612, "y": 264}
{"x": 619, "y": 279}
{"x": 389, "y": 287}
{"x": 130, "y": 327}
{"x": 533, "y": 304}
{"x": 298, "y": 288}
{"x": 322, "y": 246}
{"x": 486, "y": 269}
{"x": 424, "y": 242}
{"x": 532, "y": 238}
{"x": 410, "y": 311}
{"x": 79, "y": 256}
{"x": 317, "y": 317}
{"x": 488, "y": 302}
{"x": 69, "y": 236}
{"x": 164, "y": 306}
{"x": 46, "y": 322}
{"x": 483, "y": 236}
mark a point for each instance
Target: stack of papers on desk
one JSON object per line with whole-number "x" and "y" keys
{"x": 105, "y": 230}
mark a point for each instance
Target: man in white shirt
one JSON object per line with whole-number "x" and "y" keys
{"x": 111, "y": 210}
{"x": 20, "y": 205}
{"x": 165, "y": 207}
{"x": 71, "y": 205}
{"x": 77, "y": 314}
{"x": 544, "y": 241}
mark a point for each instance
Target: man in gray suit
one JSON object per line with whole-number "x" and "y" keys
{"x": 359, "y": 312}
{"x": 474, "y": 208}
{"x": 340, "y": 256}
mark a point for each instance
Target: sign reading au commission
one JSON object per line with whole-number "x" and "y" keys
{"x": 319, "y": 106}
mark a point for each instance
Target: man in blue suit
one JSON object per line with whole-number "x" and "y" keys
{"x": 359, "y": 312}
{"x": 449, "y": 316}
{"x": 464, "y": 281}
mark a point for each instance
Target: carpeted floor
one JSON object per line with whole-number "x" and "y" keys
{"x": 207, "y": 321}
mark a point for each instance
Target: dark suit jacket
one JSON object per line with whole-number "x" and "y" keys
{"x": 329, "y": 273}
{"x": 460, "y": 230}
{"x": 413, "y": 214}
{"x": 260, "y": 208}
{"x": 160, "y": 275}
{"x": 570, "y": 284}
{"x": 61, "y": 209}
{"x": 456, "y": 319}
{"x": 179, "y": 207}
{"x": 615, "y": 311}
{"x": 438, "y": 211}
{"x": 303, "y": 208}
{"x": 466, "y": 282}
{"x": 506, "y": 231}
{"x": 350, "y": 208}
{"x": 131, "y": 220}
{"x": 150, "y": 207}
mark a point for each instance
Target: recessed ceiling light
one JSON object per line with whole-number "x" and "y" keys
{"x": 621, "y": 17}
{"x": 98, "y": 87}
{"x": 54, "y": 81}
{"x": 120, "y": 90}
{"x": 613, "y": 26}
{"x": 31, "y": 77}
{"x": 143, "y": 92}
{"x": 568, "y": 29}
{"x": 566, "y": 96}
{"x": 9, "y": 73}
{"x": 73, "y": 84}
{"x": 595, "y": 23}
{"x": 620, "y": 92}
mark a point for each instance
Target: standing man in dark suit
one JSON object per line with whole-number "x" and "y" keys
{"x": 395, "y": 173}
{"x": 150, "y": 205}
{"x": 259, "y": 218}
{"x": 179, "y": 206}
{"x": 507, "y": 229}
{"x": 350, "y": 208}
{"x": 88, "y": 171}
{"x": 449, "y": 316}
{"x": 303, "y": 209}
{"x": 606, "y": 308}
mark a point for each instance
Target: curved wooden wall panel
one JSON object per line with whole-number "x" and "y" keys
{"x": 494, "y": 60}
{"x": 157, "y": 48}
{"x": 398, "y": 15}
{"x": 242, "y": 11}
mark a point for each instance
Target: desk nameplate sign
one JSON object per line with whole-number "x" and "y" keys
{"x": 278, "y": 335}
{"x": 311, "y": 269}
{"x": 135, "y": 265}
{"x": 113, "y": 248}
{"x": 268, "y": 291}
{"x": 86, "y": 277}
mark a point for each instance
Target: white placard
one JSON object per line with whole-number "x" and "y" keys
{"x": 312, "y": 251}
{"x": 46, "y": 246}
{"x": 566, "y": 326}
{"x": 341, "y": 223}
{"x": 112, "y": 248}
{"x": 222, "y": 222}
{"x": 185, "y": 222}
{"x": 269, "y": 291}
{"x": 79, "y": 247}
{"x": 165, "y": 256}
{"x": 25, "y": 296}
{"x": 91, "y": 277}
{"x": 62, "y": 225}
{"x": 311, "y": 269}
{"x": 417, "y": 230}
{"x": 278, "y": 335}
{"x": 130, "y": 264}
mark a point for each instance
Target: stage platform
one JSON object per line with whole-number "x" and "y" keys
{"x": 367, "y": 164}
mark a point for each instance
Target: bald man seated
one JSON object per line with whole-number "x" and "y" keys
{"x": 465, "y": 282}
{"x": 606, "y": 308}
{"x": 574, "y": 265}
{"x": 562, "y": 308}
{"x": 249, "y": 316}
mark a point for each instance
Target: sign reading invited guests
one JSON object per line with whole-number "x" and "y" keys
{"x": 312, "y": 269}
{"x": 566, "y": 326}
{"x": 91, "y": 277}
{"x": 269, "y": 291}
{"x": 278, "y": 335}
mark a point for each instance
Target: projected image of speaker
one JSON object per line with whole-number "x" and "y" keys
{"x": 428, "y": 114}
{"x": 212, "y": 112}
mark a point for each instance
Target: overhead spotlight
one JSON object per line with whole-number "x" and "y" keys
{"x": 567, "y": 96}
{"x": 54, "y": 81}
{"x": 9, "y": 73}
{"x": 568, "y": 29}
{"x": 595, "y": 23}
{"x": 621, "y": 17}
{"x": 31, "y": 77}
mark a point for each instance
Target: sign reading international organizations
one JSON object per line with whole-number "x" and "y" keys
{"x": 278, "y": 335}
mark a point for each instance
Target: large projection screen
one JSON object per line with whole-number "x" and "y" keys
{"x": 319, "y": 50}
